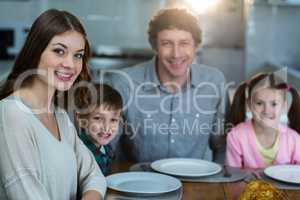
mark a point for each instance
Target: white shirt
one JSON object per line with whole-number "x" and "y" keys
{"x": 35, "y": 165}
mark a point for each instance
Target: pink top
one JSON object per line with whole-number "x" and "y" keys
{"x": 241, "y": 149}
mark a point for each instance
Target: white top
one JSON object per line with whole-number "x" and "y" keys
{"x": 35, "y": 165}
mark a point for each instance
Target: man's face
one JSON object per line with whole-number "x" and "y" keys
{"x": 175, "y": 50}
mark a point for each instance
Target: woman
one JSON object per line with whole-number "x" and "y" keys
{"x": 41, "y": 154}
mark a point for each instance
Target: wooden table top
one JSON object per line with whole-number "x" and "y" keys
{"x": 203, "y": 191}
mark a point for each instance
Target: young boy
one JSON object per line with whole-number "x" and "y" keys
{"x": 98, "y": 120}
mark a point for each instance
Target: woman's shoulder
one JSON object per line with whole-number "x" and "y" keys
{"x": 16, "y": 117}
{"x": 13, "y": 107}
{"x": 10, "y": 101}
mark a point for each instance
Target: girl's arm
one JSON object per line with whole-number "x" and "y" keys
{"x": 234, "y": 157}
{"x": 296, "y": 150}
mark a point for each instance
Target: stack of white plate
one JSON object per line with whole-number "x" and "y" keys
{"x": 143, "y": 183}
{"x": 186, "y": 167}
{"x": 285, "y": 173}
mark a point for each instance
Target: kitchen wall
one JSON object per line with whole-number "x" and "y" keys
{"x": 115, "y": 22}
{"x": 223, "y": 39}
{"x": 18, "y": 16}
{"x": 272, "y": 36}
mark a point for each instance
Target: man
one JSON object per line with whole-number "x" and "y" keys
{"x": 172, "y": 104}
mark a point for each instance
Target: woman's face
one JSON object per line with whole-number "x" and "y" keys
{"x": 61, "y": 61}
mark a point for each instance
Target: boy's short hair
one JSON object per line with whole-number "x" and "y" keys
{"x": 97, "y": 95}
{"x": 178, "y": 18}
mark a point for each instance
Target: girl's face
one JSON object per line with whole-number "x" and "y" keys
{"x": 61, "y": 61}
{"x": 103, "y": 125}
{"x": 267, "y": 105}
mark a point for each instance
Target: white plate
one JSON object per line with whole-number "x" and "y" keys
{"x": 145, "y": 183}
{"x": 286, "y": 173}
{"x": 186, "y": 167}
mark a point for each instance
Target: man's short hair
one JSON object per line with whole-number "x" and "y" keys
{"x": 170, "y": 18}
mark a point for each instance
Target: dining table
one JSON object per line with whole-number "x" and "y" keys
{"x": 197, "y": 190}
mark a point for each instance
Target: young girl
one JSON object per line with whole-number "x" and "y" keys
{"x": 42, "y": 157}
{"x": 98, "y": 118}
{"x": 263, "y": 140}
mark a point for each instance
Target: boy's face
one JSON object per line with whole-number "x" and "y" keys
{"x": 103, "y": 125}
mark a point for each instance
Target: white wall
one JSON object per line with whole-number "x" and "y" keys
{"x": 18, "y": 15}
{"x": 108, "y": 22}
{"x": 223, "y": 45}
{"x": 113, "y": 22}
{"x": 273, "y": 36}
